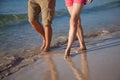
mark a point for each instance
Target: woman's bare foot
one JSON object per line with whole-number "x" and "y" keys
{"x": 81, "y": 49}
{"x": 67, "y": 53}
{"x": 46, "y": 49}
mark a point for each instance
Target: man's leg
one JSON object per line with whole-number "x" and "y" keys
{"x": 48, "y": 37}
{"x": 48, "y": 10}
{"x": 33, "y": 15}
{"x": 39, "y": 28}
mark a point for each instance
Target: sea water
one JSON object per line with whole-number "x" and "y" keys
{"x": 18, "y": 37}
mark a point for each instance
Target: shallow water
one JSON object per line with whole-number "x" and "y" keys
{"x": 100, "y": 62}
{"x": 18, "y": 37}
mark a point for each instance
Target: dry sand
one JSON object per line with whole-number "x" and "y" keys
{"x": 100, "y": 62}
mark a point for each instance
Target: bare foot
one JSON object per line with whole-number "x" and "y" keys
{"x": 43, "y": 46}
{"x": 81, "y": 49}
{"x": 67, "y": 54}
{"x": 46, "y": 49}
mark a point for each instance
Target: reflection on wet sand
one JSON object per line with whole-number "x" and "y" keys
{"x": 84, "y": 73}
{"x": 52, "y": 67}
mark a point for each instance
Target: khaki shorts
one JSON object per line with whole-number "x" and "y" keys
{"x": 46, "y": 7}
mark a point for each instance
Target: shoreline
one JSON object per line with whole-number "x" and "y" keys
{"x": 14, "y": 64}
{"x": 21, "y": 59}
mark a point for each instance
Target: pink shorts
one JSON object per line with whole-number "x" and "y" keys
{"x": 70, "y": 2}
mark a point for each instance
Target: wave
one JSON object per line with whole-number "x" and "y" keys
{"x": 16, "y": 18}
{"x": 103, "y": 7}
{"x": 62, "y": 40}
{"x": 114, "y": 4}
{"x": 57, "y": 42}
{"x": 12, "y": 18}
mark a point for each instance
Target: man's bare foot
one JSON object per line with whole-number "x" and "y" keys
{"x": 67, "y": 54}
{"x": 43, "y": 46}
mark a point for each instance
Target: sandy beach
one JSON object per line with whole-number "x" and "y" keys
{"x": 101, "y": 61}
{"x": 20, "y": 56}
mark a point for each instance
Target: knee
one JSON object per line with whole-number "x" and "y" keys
{"x": 79, "y": 22}
{"x": 32, "y": 22}
{"x": 73, "y": 21}
{"x": 47, "y": 26}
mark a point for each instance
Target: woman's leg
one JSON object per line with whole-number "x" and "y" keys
{"x": 74, "y": 13}
{"x": 80, "y": 36}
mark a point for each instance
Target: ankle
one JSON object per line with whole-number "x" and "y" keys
{"x": 46, "y": 49}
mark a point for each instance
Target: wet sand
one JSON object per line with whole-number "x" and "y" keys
{"x": 101, "y": 61}
{"x": 20, "y": 58}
